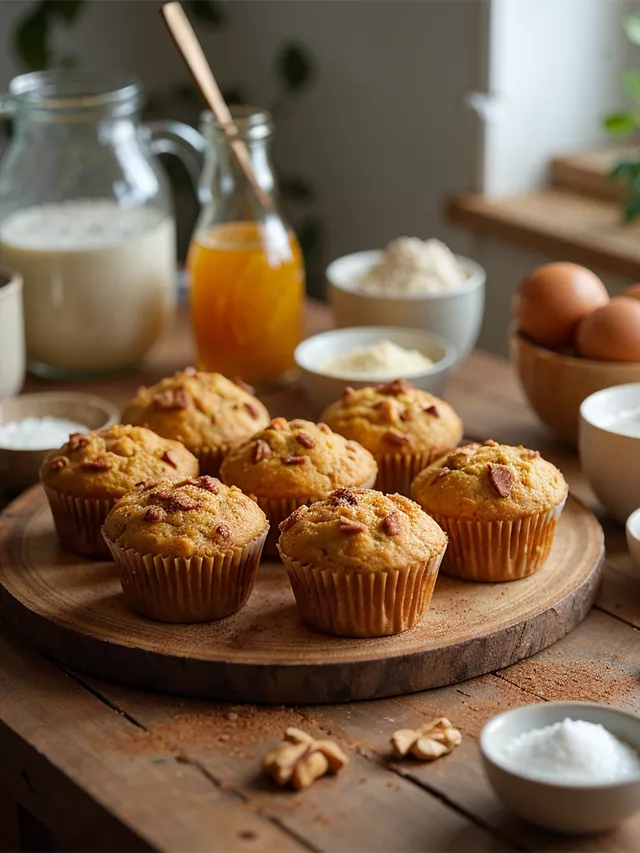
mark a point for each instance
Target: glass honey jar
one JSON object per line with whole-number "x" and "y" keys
{"x": 244, "y": 264}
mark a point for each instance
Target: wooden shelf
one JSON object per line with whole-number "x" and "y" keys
{"x": 558, "y": 222}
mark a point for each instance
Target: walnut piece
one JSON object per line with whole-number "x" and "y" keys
{"x": 253, "y": 410}
{"x": 59, "y": 463}
{"x": 239, "y": 381}
{"x": 398, "y": 386}
{"x": 501, "y": 479}
{"x": 279, "y": 424}
{"x": 388, "y": 411}
{"x": 101, "y": 463}
{"x": 490, "y": 443}
{"x": 78, "y": 440}
{"x": 435, "y": 739}
{"x": 348, "y": 394}
{"x": 223, "y": 531}
{"x": 261, "y": 450}
{"x": 432, "y": 410}
{"x": 170, "y": 458}
{"x": 300, "y": 759}
{"x": 325, "y": 428}
{"x": 533, "y": 454}
{"x": 305, "y": 440}
{"x": 292, "y": 459}
{"x": 296, "y": 515}
{"x": 442, "y": 473}
{"x": 206, "y": 482}
{"x": 172, "y": 399}
{"x": 155, "y": 513}
{"x": 342, "y": 496}
{"x": 395, "y": 438}
{"x": 391, "y": 524}
{"x": 351, "y": 527}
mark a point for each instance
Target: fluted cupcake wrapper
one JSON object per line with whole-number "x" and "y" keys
{"x": 396, "y": 471}
{"x": 210, "y": 459}
{"x": 277, "y": 509}
{"x": 498, "y": 550}
{"x": 78, "y": 522}
{"x": 363, "y": 604}
{"x": 193, "y": 589}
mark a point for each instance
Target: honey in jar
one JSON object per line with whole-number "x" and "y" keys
{"x": 245, "y": 267}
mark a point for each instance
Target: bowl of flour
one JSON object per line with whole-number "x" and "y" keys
{"x": 411, "y": 283}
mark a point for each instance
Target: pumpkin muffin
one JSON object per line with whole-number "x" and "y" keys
{"x": 405, "y": 429}
{"x": 186, "y": 551}
{"x": 297, "y": 462}
{"x": 498, "y": 504}
{"x": 362, "y": 564}
{"x": 207, "y": 412}
{"x": 88, "y": 474}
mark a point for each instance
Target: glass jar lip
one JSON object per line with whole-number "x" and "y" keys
{"x": 76, "y": 90}
{"x": 252, "y": 122}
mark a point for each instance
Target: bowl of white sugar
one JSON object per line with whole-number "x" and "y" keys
{"x": 33, "y": 424}
{"x": 412, "y": 282}
{"x": 572, "y": 767}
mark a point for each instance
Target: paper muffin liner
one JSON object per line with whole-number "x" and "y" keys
{"x": 210, "y": 459}
{"x": 363, "y": 604}
{"x": 78, "y": 522}
{"x": 498, "y": 550}
{"x": 396, "y": 471}
{"x": 277, "y": 509}
{"x": 187, "y": 589}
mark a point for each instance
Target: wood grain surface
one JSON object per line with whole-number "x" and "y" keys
{"x": 74, "y": 609}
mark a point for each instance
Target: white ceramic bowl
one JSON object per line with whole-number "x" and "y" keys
{"x": 323, "y": 388}
{"x": 576, "y": 809}
{"x": 456, "y": 315}
{"x": 610, "y": 461}
{"x": 12, "y": 346}
{"x": 633, "y": 536}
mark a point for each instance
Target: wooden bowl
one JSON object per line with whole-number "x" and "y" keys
{"x": 19, "y": 469}
{"x": 556, "y": 384}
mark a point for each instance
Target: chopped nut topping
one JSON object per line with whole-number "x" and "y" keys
{"x": 435, "y": 739}
{"x": 533, "y": 454}
{"x": 432, "y": 410}
{"x": 294, "y": 460}
{"x": 324, "y": 428}
{"x": 279, "y": 424}
{"x": 407, "y": 414}
{"x": 342, "y": 496}
{"x": 172, "y": 399}
{"x": 58, "y": 463}
{"x": 192, "y": 371}
{"x": 170, "y": 458}
{"x": 490, "y": 443}
{"x": 239, "y": 381}
{"x": 305, "y": 440}
{"x": 142, "y": 484}
{"x": 141, "y": 390}
{"x": 206, "y": 482}
{"x": 155, "y": 513}
{"x": 396, "y": 438}
{"x": 442, "y": 473}
{"x": 261, "y": 450}
{"x": 176, "y": 501}
{"x": 101, "y": 463}
{"x": 253, "y": 409}
{"x": 387, "y": 411}
{"x": 348, "y": 394}
{"x": 295, "y": 516}
{"x": 78, "y": 440}
{"x": 300, "y": 759}
{"x": 223, "y": 531}
{"x": 351, "y": 527}
{"x": 501, "y": 479}
{"x": 391, "y": 524}
{"x": 398, "y": 386}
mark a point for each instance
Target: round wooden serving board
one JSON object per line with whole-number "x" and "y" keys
{"x": 73, "y": 609}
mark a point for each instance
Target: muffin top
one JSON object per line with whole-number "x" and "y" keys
{"x": 490, "y": 482}
{"x": 361, "y": 530}
{"x": 395, "y": 418}
{"x": 199, "y": 409}
{"x": 107, "y": 463}
{"x": 297, "y": 459}
{"x": 193, "y": 517}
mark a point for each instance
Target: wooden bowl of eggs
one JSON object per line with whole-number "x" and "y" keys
{"x": 570, "y": 339}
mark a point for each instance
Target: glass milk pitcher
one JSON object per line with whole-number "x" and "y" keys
{"x": 86, "y": 218}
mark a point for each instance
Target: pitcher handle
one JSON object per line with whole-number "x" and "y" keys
{"x": 181, "y": 140}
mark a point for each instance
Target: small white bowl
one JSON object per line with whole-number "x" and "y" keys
{"x": 456, "y": 315}
{"x": 323, "y": 388}
{"x": 19, "y": 469}
{"x": 632, "y": 529}
{"x": 611, "y": 461}
{"x": 575, "y": 809}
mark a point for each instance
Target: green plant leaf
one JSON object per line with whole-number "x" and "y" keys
{"x": 632, "y": 27}
{"x": 68, "y": 10}
{"x": 296, "y": 189}
{"x": 207, "y": 11}
{"x": 625, "y": 170}
{"x": 31, "y": 39}
{"x": 631, "y": 208}
{"x": 294, "y": 67}
{"x": 631, "y": 84}
{"x": 619, "y": 124}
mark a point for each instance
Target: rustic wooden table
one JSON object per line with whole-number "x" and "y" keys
{"x": 109, "y": 768}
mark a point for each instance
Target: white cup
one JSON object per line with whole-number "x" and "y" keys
{"x": 12, "y": 346}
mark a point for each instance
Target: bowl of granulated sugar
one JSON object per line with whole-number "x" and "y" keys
{"x": 572, "y": 767}
{"x": 33, "y": 424}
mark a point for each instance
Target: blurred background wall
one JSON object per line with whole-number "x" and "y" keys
{"x": 379, "y": 130}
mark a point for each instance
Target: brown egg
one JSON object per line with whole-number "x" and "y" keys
{"x": 633, "y": 291}
{"x": 612, "y": 332}
{"x": 552, "y": 300}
